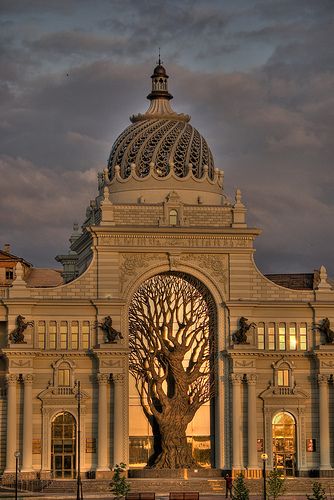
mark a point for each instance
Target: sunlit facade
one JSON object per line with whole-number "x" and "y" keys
{"x": 161, "y": 210}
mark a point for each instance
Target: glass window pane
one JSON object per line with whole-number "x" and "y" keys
{"x": 281, "y": 337}
{"x": 85, "y": 335}
{"x": 75, "y": 335}
{"x": 41, "y": 330}
{"x": 293, "y": 336}
{"x": 52, "y": 335}
{"x": 303, "y": 337}
{"x": 260, "y": 336}
{"x": 271, "y": 337}
{"x": 63, "y": 335}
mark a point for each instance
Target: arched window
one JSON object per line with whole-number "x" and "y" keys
{"x": 284, "y": 443}
{"x": 173, "y": 217}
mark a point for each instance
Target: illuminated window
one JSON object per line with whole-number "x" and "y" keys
{"x": 260, "y": 336}
{"x": 63, "y": 335}
{"x": 303, "y": 337}
{"x": 52, "y": 335}
{"x": 292, "y": 336}
{"x": 75, "y": 335}
{"x": 283, "y": 378}
{"x": 85, "y": 335}
{"x": 271, "y": 336}
{"x": 64, "y": 376}
{"x": 41, "y": 330}
{"x": 281, "y": 337}
{"x": 173, "y": 217}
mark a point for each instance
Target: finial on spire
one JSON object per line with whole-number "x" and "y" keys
{"x": 159, "y": 62}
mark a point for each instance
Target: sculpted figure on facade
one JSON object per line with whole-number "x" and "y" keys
{"x": 17, "y": 336}
{"x": 240, "y": 336}
{"x": 325, "y": 328}
{"x": 112, "y": 335}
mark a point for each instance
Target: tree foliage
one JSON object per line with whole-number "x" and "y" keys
{"x": 275, "y": 484}
{"x": 318, "y": 492}
{"x": 119, "y": 485}
{"x": 240, "y": 490}
{"x": 171, "y": 342}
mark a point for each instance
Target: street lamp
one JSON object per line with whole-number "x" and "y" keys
{"x": 79, "y": 483}
{"x": 17, "y": 455}
{"x": 264, "y": 457}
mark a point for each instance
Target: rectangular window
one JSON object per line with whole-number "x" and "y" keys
{"x": 63, "y": 335}
{"x": 75, "y": 335}
{"x": 271, "y": 336}
{"x": 303, "y": 337}
{"x": 281, "y": 336}
{"x": 292, "y": 336}
{"x": 41, "y": 330}
{"x": 283, "y": 378}
{"x": 64, "y": 377}
{"x": 85, "y": 335}
{"x": 260, "y": 336}
{"x": 52, "y": 335}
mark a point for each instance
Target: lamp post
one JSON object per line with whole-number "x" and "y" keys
{"x": 79, "y": 483}
{"x": 264, "y": 457}
{"x": 17, "y": 455}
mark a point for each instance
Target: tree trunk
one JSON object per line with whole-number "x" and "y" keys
{"x": 175, "y": 454}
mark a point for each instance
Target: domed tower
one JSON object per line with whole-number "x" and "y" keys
{"x": 161, "y": 151}
{"x": 160, "y": 176}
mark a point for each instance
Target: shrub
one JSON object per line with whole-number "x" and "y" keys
{"x": 240, "y": 490}
{"x": 275, "y": 484}
{"x": 119, "y": 485}
{"x": 318, "y": 492}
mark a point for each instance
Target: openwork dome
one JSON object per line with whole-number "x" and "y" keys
{"x": 160, "y": 141}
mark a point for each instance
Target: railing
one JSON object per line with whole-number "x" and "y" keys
{"x": 284, "y": 391}
{"x": 64, "y": 391}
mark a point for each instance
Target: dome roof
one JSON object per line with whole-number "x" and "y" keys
{"x": 160, "y": 140}
{"x": 166, "y": 143}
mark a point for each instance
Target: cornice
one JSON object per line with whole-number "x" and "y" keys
{"x": 266, "y": 354}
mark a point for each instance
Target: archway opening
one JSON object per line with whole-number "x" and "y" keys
{"x": 172, "y": 320}
{"x": 284, "y": 443}
{"x": 63, "y": 446}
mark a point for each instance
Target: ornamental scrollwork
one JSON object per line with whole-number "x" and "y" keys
{"x": 17, "y": 335}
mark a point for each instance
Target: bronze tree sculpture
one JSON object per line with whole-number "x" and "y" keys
{"x": 171, "y": 341}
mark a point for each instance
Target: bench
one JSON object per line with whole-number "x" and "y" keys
{"x": 140, "y": 496}
{"x": 184, "y": 495}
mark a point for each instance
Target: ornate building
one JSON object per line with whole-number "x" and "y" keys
{"x": 161, "y": 211}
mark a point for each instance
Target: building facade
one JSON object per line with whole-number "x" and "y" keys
{"x": 161, "y": 210}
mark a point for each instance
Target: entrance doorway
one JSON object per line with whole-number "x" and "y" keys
{"x": 284, "y": 443}
{"x": 63, "y": 446}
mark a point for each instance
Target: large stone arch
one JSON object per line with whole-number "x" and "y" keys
{"x": 170, "y": 278}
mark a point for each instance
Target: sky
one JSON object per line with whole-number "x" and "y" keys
{"x": 256, "y": 76}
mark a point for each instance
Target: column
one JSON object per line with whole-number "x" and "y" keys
{"x": 11, "y": 422}
{"x": 251, "y": 422}
{"x": 119, "y": 418}
{"x": 102, "y": 433}
{"x": 324, "y": 423}
{"x": 27, "y": 423}
{"x": 236, "y": 380}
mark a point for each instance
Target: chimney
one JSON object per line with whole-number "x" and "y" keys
{"x": 6, "y": 247}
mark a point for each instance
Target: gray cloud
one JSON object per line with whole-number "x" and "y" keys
{"x": 67, "y": 92}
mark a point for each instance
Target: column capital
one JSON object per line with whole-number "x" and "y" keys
{"x": 236, "y": 378}
{"x": 11, "y": 378}
{"x": 322, "y": 379}
{"x": 118, "y": 378}
{"x": 251, "y": 379}
{"x": 28, "y": 378}
{"x": 103, "y": 378}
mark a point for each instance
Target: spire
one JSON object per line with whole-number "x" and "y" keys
{"x": 160, "y": 107}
